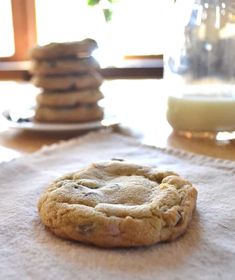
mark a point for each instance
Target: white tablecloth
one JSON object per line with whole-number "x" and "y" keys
{"x": 29, "y": 251}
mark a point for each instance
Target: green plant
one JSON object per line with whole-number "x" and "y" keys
{"x": 105, "y": 5}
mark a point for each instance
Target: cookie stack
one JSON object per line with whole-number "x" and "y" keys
{"x": 69, "y": 78}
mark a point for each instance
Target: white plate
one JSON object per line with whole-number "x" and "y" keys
{"x": 30, "y": 125}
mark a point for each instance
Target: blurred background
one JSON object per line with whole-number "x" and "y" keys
{"x": 130, "y": 33}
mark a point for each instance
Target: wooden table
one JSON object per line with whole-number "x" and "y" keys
{"x": 140, "y": 105}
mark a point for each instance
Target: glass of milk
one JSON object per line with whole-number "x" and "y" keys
{"x": 202, "y": 110}
{"x": 199, "y": 68}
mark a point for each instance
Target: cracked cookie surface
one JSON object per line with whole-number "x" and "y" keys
{"x": 118, "y": 204}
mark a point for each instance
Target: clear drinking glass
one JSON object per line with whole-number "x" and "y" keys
{"x": 200, "y": 68}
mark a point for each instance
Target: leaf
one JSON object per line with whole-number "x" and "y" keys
{"x": 92, "y": 2}
{"x": 107, "y": 14}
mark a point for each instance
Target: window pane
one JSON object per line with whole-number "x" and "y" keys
{"x": 7, "y": 47}
{"x": 136, "y": 28}
{"x": 67, "y": 20}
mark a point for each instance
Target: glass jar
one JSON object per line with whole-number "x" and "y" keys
{"x": 200, "y": 68}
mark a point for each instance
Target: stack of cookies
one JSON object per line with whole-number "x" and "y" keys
{"x": 69, "y": 78}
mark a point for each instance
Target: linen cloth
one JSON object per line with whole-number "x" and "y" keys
{"x": 29, "y": 251}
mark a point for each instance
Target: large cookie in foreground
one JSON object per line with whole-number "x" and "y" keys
{"x": 118, "y": 204}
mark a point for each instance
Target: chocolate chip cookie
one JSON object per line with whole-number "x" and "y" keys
{"x": 63, "y": 66}
{"x": 73, "y": 81}
{"x": 68, "y": 98}
{"x": 69, "y": 114}
{"x": 118, "y": 204}
{"x": 82, "y": 48}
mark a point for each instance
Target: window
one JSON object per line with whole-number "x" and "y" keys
{"x": 17, "y": 35}
{"x": 137, "y": 30}
{"x": 7, "y": 47}
{"x": 136, "y": 27}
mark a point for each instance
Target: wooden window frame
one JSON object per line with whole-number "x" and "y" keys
{"x": 15, "y": 67}
{"x": 24, "y": 28}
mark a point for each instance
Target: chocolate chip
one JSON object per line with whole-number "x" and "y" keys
{"x": 76, "y": 186}
{"x": 52, "y": 63}
{"x": 117, "y": 159}
{"x": 91, "y": 195}
{"x": 73, "y": 86}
